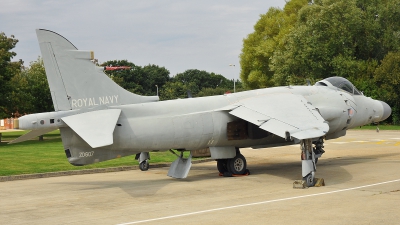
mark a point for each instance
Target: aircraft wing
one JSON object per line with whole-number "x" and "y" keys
{"x": 283, "y": 115}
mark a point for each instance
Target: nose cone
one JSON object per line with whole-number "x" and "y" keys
{"x": 386, "y": 111}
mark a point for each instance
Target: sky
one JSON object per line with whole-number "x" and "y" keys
{"x": 175, "y": 34}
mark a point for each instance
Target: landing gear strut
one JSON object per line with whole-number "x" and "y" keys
{"x": 309, "y": 159}
{"x": 234, "y": 166}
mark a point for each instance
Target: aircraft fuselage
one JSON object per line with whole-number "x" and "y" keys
{"x": 195, "y": 123}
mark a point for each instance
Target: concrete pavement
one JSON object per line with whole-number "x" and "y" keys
{"x": 361, "y": 172}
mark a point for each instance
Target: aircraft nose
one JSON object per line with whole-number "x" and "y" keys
{"x": 386, "y": 110}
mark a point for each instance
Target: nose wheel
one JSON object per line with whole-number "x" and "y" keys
{"x": 309, "y": 179}
{"x": 309, "y": 159}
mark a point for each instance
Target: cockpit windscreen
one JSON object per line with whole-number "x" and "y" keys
{"x": 343, "y": 84}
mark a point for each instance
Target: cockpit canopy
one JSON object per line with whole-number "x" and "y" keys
{"x": 340, "y": 83}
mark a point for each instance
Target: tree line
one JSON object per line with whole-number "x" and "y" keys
{"x": 148, "y": 79}
{"x": 355, "y": 39}
{"x": 24, "y": 90}
{"x": 306, "y": 40}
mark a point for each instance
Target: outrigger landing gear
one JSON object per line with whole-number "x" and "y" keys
{"x": 234, "y": 166}
{"x": 181, "y": 166}
{"x": 143, "y": 159}
{"x": 309, "y": 159}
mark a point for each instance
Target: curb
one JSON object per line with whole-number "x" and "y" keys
{"x": 86, "y": 171}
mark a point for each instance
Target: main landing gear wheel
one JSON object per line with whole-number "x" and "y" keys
{"x": 222, "y": 165}
{"x": 144, "y": 165}
{"x": 237, "y": 165}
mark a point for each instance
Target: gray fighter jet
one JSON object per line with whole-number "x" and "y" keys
{"x": 99, "y": 120}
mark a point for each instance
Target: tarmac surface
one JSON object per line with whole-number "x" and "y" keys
{"x": 361, "y": 172}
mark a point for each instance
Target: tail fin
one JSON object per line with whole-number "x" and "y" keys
{"x": 75, "y": 81}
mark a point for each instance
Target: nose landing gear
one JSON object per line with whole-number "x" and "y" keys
{"x": 309, "y": 159}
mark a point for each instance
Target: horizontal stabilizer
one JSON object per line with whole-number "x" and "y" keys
{"x": 32, "y": 134}
{"x": 96, "y": 127}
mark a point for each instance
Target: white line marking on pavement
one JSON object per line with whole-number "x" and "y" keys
{"x": 257, "y": 203}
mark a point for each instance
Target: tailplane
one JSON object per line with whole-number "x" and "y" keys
{"x": 75, "y": 81}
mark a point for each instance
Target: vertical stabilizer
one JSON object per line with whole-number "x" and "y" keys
{"x": 75, "y": 81}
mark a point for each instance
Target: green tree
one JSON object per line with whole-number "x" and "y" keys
{"x": 154, "y": 75}
{"x": 195, "y": 81}
{"x": 202, "y": 79}
{"x": 31, "y": 92}
{"x": 322, "y": 33}
{"x": 177, "y": 89}
{"x": 8, "y": 70}
{"x": 338, "y": 38}
{"x": 348, "y": 38}
{"x": 268, "y": 37}
{"x": 137, "y": 79}
{"x": 39, "y": 87}
{"x": 211, "y": 91}
{"x": 20, "y": 97}
{"x": 387, "y": 77}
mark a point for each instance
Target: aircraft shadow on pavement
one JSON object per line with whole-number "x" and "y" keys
{"x": 142, "y": 187}
{"x": 135, "y": 188}
{"x": 332, "y": 169}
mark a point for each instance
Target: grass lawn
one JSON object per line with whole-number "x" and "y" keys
{"x": 36, "y": 156}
